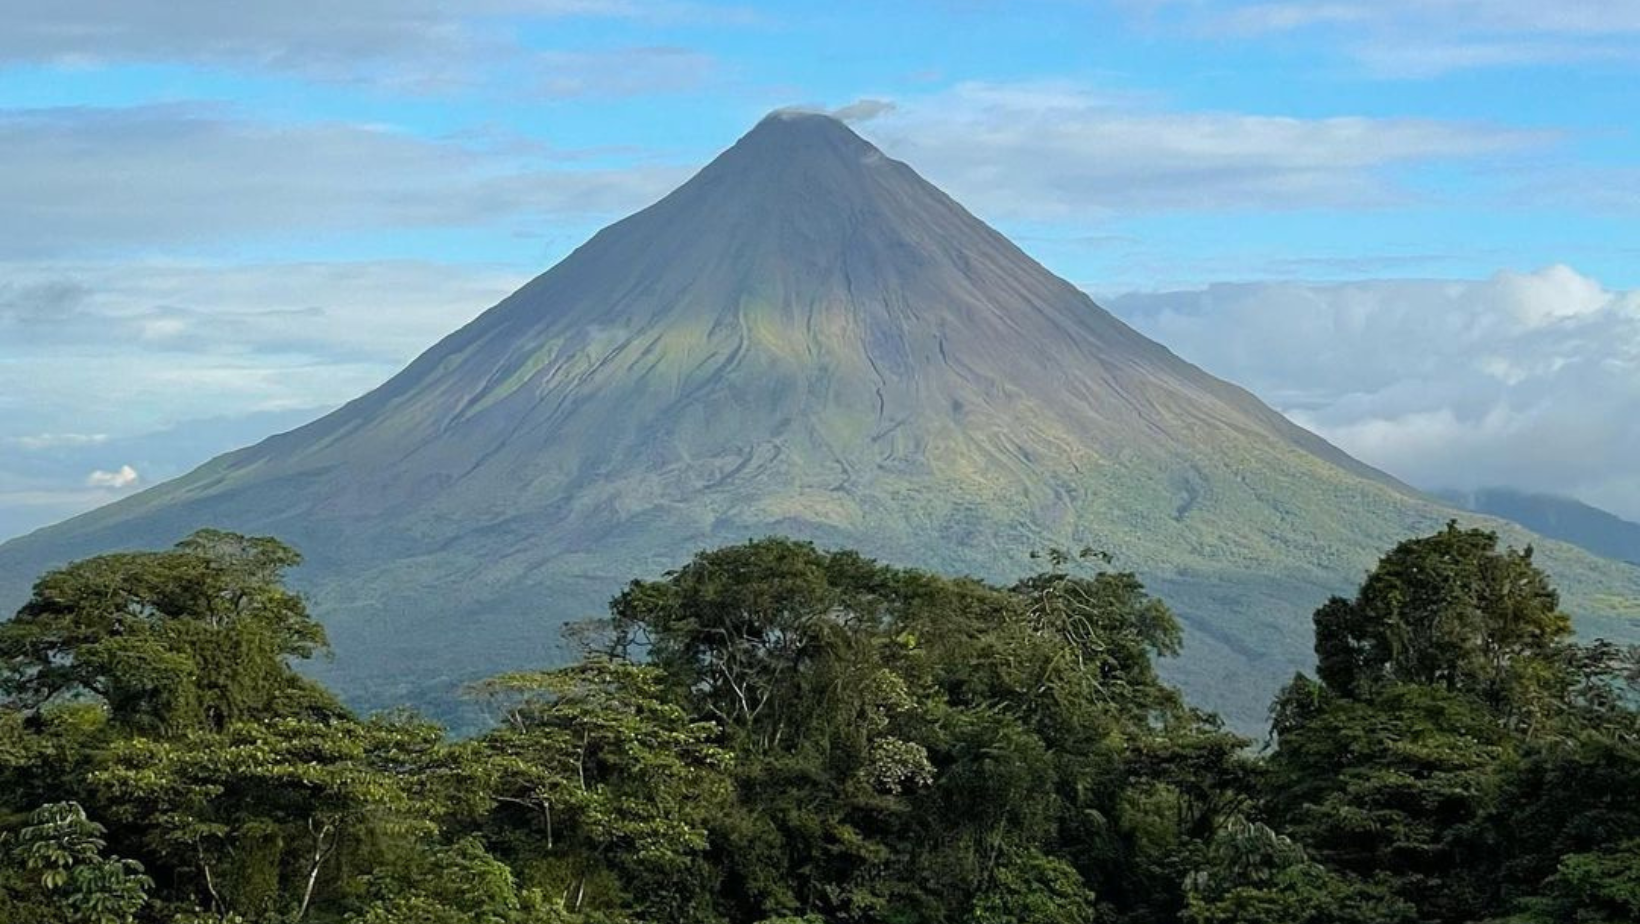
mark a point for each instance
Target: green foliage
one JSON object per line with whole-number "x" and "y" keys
{"x": 60, "y": 855}
{"x": 1448, "y": 610}
{"x": 196, "y": 637}
{"x": 774, "y": 734}
{"x": 1030, "y": 888}
{"x": 909, "y": 743}
{"x": 1452, "y": 717}
{"x": 1562, "y": 799}
{"x": 252, "y": 817}
{"x": 457, "y": 884}
{"x": 595, "y": 767}
{"x": 1253, "y": 875}
{"x": 1589, "y": 888}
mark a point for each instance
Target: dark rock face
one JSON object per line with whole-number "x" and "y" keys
{"x": 805, "y": 338}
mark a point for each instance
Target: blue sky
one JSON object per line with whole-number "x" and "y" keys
{"x": 223, "y": 220}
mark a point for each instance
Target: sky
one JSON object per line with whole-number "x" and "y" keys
{"x": 1411, "y": 225}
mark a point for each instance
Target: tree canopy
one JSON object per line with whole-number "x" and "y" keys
{"x": 777, "y": 734}
{"x": 199, "y": 636}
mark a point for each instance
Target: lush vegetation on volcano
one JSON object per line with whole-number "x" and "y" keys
{"x": 774, "y": 733}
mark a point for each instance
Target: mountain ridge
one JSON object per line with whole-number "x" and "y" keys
{"x": 1590, "y": 528}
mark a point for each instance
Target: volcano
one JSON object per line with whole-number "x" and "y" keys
{"x": 806, "y": 338}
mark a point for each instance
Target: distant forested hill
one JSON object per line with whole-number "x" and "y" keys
{"x": 1562, "y": 518}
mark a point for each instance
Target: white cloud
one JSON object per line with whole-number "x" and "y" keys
{"x": 1426, "y": 38}
{"x": 415, "y": 45}
{"x": 161, "y": 177}
{"x": 25, "y": 509}
{"x": 621, "y": 72}
{"x": 123, "y": 477}
{"x": 1496, "y": 17}
{"x": 126, "y": 348}
{"x": 42, "y": 441}
{"x": 863, "y": 110}
{"x": 46, "y": 484}
{"x": 382, "y": 310}
{"x": 1529, "y": 380}
{"x": 86, "y": 179}
{"x": 1057, "y": 150}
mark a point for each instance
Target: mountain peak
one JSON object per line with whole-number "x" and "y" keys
{"x": 793, "y": 120}
{"x": 805, "y": 338}
{"x": 799, "y": 142}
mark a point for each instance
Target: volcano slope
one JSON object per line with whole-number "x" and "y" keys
{"x": 806, "y": 338}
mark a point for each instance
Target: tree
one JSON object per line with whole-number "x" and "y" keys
{"x": 461, "y": 883}
{"x": 1106, "y": 629}
{"x": 1449, "y": 610}
{"x": 196, "y": 637}
{"x": 909, "y": 743}
{"x": 736, "y": 626}
{"x": 1451, "y": 663}
{"x": 45, "y": 756}
{"x": 784, "y": 735}
{"x": 613, "y": 783}
{"x": 1389, "y": 787}
{"x": 250, "y": 820}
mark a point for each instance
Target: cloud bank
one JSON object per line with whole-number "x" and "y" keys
{"x": 156, "y": 178}
{"x": 1052, "y": 151}
{"x": 1530, "y": 380}
{"x": 160, "y": 366}
{"x": 1426, "y": 38}
{"x": 79, "y": 179}
{"x": 123, "y": 349}
{"x": 419, "y": 46}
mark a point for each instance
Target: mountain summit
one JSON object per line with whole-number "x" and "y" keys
{"x": 805, "y": 338}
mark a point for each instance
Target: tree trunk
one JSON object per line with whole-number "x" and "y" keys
{"x": 320, "y": 851}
